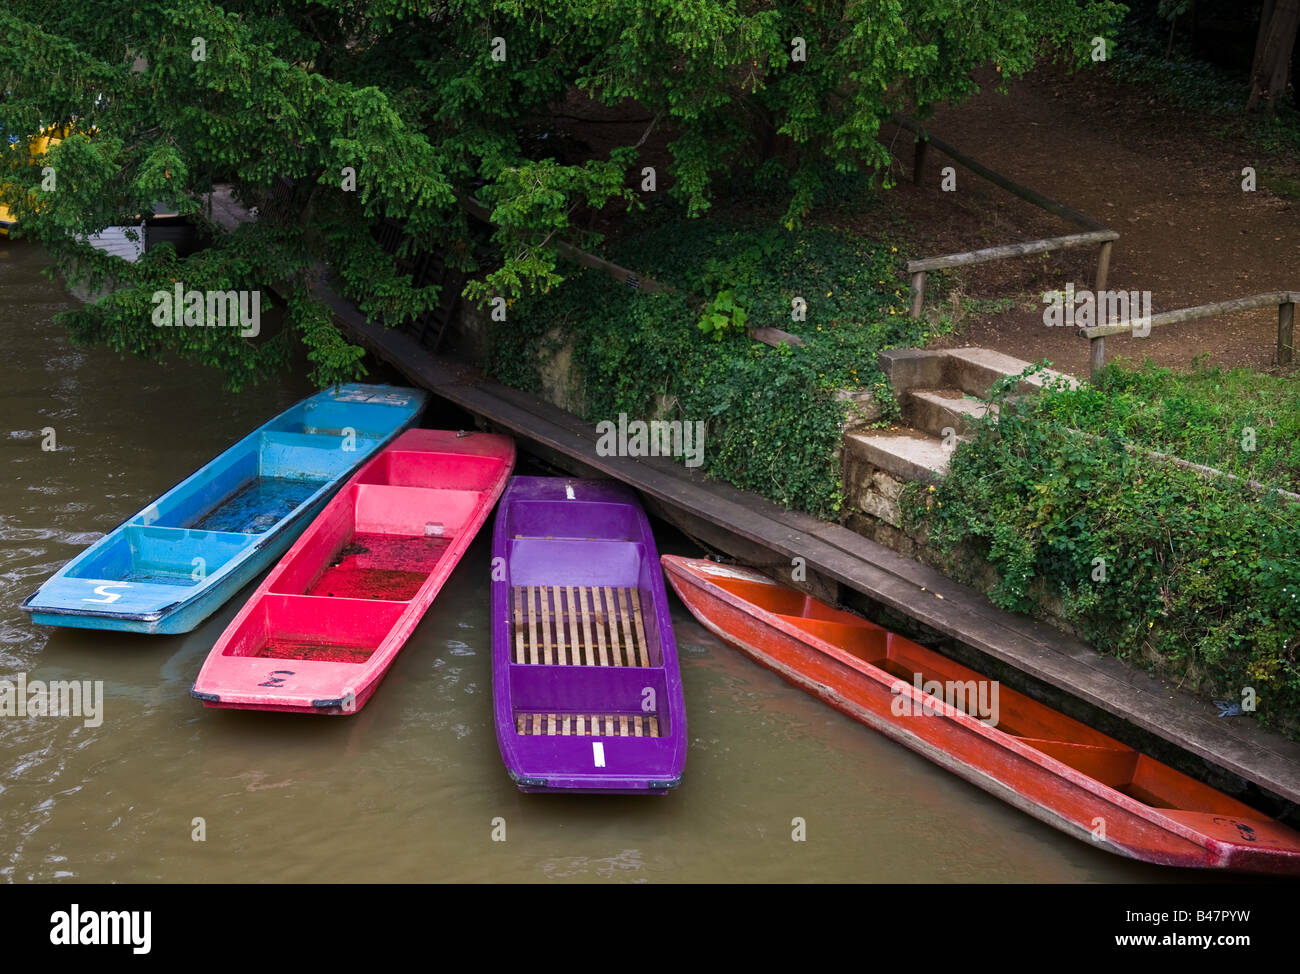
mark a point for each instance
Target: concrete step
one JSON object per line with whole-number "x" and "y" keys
{"x": 974, "y": 370}
{"x": 908, "y": 368}
{"x": 902, "y": 452}
{"x": 969, "y": 370}
{"x": 937, "y": 410}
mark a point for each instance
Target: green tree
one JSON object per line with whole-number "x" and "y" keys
{"x": 427, "y": 101}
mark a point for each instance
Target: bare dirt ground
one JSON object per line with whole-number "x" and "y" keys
{"x": 1189, "y": 234}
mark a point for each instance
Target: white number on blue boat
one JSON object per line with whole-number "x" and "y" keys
{"x": 108, "y": 596}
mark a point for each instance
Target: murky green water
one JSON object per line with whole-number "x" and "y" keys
{"x": 409, "y": 788}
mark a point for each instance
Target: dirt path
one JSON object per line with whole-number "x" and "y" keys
{"x": 1189, "y": 234}
{"x": 1159, "y": 176}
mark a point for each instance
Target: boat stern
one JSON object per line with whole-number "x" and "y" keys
{"x": 110, "y": 604}
{"x": 1236, "y": 842}
{"x": 606, "y": 762}
{"x": 284, "y": 685}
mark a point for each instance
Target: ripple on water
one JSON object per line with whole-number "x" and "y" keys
{"x": 624, "y": 865}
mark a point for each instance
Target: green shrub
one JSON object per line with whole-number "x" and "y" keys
{"x": 1198, "y": 577}
{"x": 773, "y": 420}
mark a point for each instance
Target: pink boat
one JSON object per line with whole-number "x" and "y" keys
{"x": 324, "y": 626}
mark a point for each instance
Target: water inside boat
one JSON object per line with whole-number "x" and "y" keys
{"x": 366, "y": 557}
{"x": 322, "y": 652}
{"x": 256, "y": 505}
{"x": 380, "y": 566}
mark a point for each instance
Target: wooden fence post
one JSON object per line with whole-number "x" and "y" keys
{"x": 918, "y": 293}
{"x": 1285, "y": 326}
{"x": 1096, "y": 355}
{"x": 1103, "y": 266}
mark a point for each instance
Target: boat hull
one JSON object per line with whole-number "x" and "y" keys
{"x": 327, "y": 623}
{"x": 1214, "y": 831}
{"x": 171, "y": 565}
{"x": 585, "y": 680}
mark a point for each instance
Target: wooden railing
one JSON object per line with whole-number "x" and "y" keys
{"x": 919, "y": 268}
{"x": 1285, "y": 301}
{"x": 1094, "y": 231}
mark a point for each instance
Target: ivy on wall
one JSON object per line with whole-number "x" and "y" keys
{"x": 773, "y": 422}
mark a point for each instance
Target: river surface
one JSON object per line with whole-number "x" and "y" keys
{"x": 409, "y": 788}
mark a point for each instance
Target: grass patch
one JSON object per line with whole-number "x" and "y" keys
{"x": 1279, "y": 184}
{"x": 1238, "y": 420}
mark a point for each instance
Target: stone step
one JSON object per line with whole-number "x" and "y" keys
{"x": 902, "y": 452}
{"x": 860, "y": 408}
{"x": 970, "y": 370}
{"x": 878, "y": 464}
{"x": 908, "y": 368}
{"x": 974, "y": 370}
{"x": 937, "y": 410}
{"x": 941, "y": 396}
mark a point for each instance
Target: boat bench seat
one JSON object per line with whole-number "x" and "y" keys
{"x": 568, "y": 615}
{"x": 588, "y": 725}
{"x": 309, "y": 456}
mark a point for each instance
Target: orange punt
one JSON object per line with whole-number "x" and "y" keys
{"x": 1051, "y": 766}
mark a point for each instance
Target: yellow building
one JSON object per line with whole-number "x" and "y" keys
{"x": 50, "y": 135}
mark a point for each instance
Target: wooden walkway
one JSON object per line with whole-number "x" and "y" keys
{"x": 1042, "y": 652}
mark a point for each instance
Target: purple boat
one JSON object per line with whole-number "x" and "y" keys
{"x": 585, "y": 682}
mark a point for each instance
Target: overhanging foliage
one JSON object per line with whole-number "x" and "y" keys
{"x": 172, "y": 96}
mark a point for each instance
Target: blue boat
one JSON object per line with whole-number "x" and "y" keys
{"x": 177, "y": 561}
